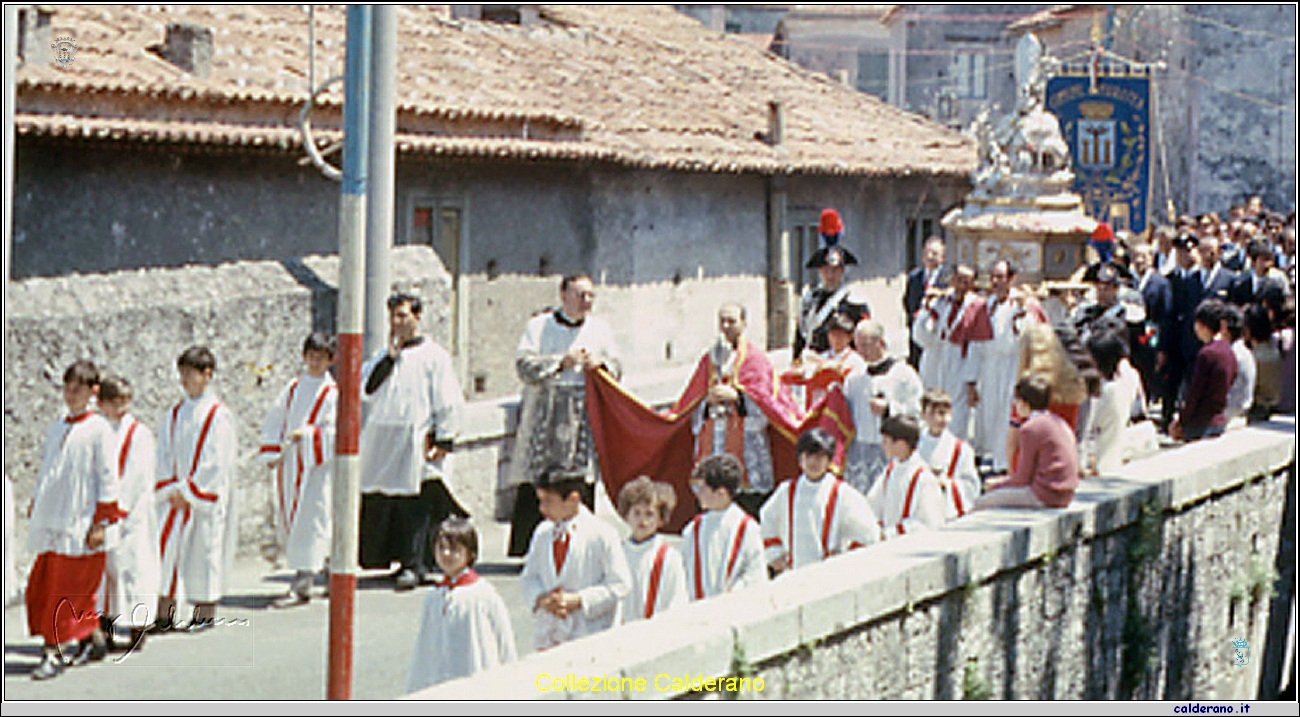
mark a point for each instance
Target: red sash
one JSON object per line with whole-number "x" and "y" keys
{"x": 656, "y": 574}
{"x": 952, "y": 471}
{"x": 731, "y": 560}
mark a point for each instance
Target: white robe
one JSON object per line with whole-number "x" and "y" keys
{"x": 197, "y": 543}
{"x": 421, "y": 395}
{"x": 670, "y": 586}
{"x": 1105, "y": 442}
{"x": 306, "y": 468}
{"x": 131, "y": 569}
{"x": 942, "y": 363}
{"x": 724, "y": 562}
{"x": 953, "y": 462}
{"x": 901, "y": 387}
{"x": 595, "y": 568}
{"x": 889, "y": 498}
{"x": 77, "y": 474}
{"x": 997, "y": 383}
{"x": 852, "y": 523}
{"x": 464, "y": 629}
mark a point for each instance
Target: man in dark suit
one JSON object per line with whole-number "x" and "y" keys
{"x": 1261, "y": 277}
{"x": 1178, "y": 345}
{"x": 1158, "y": 300}
{"x": 1216, "y": 279}
{"x": 932, "y": 274}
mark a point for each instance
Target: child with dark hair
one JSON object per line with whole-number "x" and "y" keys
{"x": 197, "y": 454}
{"x": 1202, "y": 414}
{"x": 1120, "y": 397}
{"x": 1047, "y": 473}
{"x": 465, "y": 627}
{"x": 1268, "y": 361}
{"x": 575, "y": 574}
{"x": 72, "y": 516}
{"x": 658, "y": 576}
{"x": 722, "y": 547}
{"x": 298, "y": 443}
{"x": 951, "y": 459}
{"x": 817, "y": 515}
{"x": 131, "y": 570}
{"x": 907, "y": 496}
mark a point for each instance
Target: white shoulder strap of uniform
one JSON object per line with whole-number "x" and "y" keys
{"x": 825, "y": 311}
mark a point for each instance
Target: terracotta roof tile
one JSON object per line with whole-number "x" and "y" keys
{"x": 638, "y": 85}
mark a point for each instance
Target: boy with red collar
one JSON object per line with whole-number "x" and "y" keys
{"x": 907, "y": 496}
{"x": 658, "y": 578}
{"x": 575, "y": 574}
{"x": 73, "y": 507}
{"x": 722, "y": 547}
{"x": 465, "y": 627}
{"x": 816, "y": 515}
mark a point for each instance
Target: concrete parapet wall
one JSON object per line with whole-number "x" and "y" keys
{"x": 1136, "y": 591}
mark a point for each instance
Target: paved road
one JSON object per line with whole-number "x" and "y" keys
{"x": 263, "y": 653}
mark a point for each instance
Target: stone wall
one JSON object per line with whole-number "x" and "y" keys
{"x": 1134, "y": 592}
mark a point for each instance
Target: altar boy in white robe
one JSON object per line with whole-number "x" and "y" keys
{"x": 197, "y": 455}
{"x": 907, "y": 497}
{"x": 298, "y": 443}
{"x": 722, "y": 546}
{"x": 465, "y": 627}
{"x": 575, "y": 574}
{"x": 817, "y": 515}
{"x": 658, "y": 578}
{"x": 131, "y": 570}
{"x": 72, "y": 515}
{"x": 951, "y": 459}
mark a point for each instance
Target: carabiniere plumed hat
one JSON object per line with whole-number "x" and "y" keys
{"x": 831, "y": 254}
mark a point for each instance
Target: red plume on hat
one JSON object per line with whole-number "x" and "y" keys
{"x": 831, "y": 254}
{"x": 1103, "y": 233}
{"x": 830, "y": 225}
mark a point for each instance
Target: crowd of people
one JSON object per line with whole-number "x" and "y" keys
{"x": 1004, "y": 397}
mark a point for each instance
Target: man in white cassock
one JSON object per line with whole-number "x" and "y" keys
{"x": 951, "y": 330}
{"x": 884, "y": 386}
{"x": 817, "y": 515}
{"x": 412, "y": 407}
{"x": 197, "y": 455}
{"x": 1009, "y": 312}
{"x": 556, "y": 350}
{"x": 298, "y": 443}
{"x": 131, "y": 571}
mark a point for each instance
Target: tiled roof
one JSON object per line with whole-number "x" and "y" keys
{"x": 635, "y": 85}
{"x": 1054, "y": 15}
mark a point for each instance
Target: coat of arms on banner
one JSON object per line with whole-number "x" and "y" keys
{"x": 1096, "y": 140}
